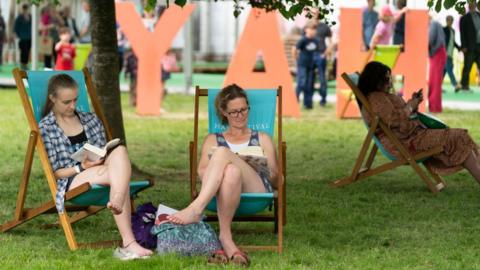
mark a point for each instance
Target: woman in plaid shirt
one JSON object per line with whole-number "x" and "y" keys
{"x": 65, "y": 130}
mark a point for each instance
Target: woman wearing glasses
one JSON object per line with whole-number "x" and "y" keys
{"x": 224, "y": 174}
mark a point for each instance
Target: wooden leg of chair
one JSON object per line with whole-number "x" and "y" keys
{"x": 440, "y": 182}
{"x": 32, "y": 140}
{"x": 345, "y": 107}
{"x": 358, "y": 162}
{"x": 424, "y": 177}
{"x": 370, "y": 158}
{"x": 67, "y": 229}
{"x": 83, "y": 214}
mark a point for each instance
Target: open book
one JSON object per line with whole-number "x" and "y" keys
{"x": 254, "y": 156}
{"x": 163, "y": 212}
{"x": 93, "y": 152}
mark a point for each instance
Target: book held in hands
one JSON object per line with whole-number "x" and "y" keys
{"x": 94, "y": 153}
{"x": 253, "y": 156}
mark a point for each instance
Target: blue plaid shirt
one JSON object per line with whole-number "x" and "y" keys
{"x": 59, "y": 148}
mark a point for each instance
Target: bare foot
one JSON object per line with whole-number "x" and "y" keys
{"x": 185, "y": 216}
{"x": 116, "y": 203}
{"x": 228, "y": 245}
{"x": 139, "y": 250}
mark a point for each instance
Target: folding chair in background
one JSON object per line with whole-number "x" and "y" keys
{"x": 386, "y": 54}
{"x": 261, "y": 118}
{"x": 85, "y": 199}
{"x": 407, "y": 158}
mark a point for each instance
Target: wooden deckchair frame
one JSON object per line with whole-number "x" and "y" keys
{"x": 360, "y": 172}
{"x": 279, "y": 213}
{"x": 35, "y": 142}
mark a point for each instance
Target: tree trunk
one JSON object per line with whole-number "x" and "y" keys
{"x": 105, "y": 63}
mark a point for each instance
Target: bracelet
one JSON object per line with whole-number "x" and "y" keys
{"x": 77, "y": 168}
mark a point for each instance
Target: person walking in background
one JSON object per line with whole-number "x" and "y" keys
{"x": 46, "y": 41}
{"x": 399, "y": 28}
{"x": 85, "y": 27}
{"x": 131, "y": 68}
{"x": 369, "y": 22}
{"x": 470, "y": 38}
{"x": 2, "y": 37}
{"x": 65, "y": 51}
{"x": 437, "y": 59}
{"x": 320, "y": 57}
{"x": 70, "y": 22}
{"x": 450, "y": 45}
{"x": 304, "y": 52}
{"x": 23, "y": 31}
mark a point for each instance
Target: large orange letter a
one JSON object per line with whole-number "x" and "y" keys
{"x": 261, "y": 34}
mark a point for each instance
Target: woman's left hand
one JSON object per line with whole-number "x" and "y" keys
{"x": 417, "y": 98}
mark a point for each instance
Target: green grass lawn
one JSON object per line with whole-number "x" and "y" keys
{"x": 390, "y": 221}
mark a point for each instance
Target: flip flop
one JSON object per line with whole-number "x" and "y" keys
{"x": 240, "y": 258}
{"x": 218, "y": 257}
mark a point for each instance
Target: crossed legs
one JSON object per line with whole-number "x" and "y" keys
{"x": 226, "y": 176}
{"x": 115, "y": 172}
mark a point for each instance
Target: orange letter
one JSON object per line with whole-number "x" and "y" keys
{"x": 261, "y": 34}
{"x": 149, "y": 48}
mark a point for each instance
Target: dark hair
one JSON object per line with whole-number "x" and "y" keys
{"x": 63, "y": 30}
{"x": 373, "y": 77}
{"x": 25, "y": 6}
{"x": 57, "y": 82}
{"x": 401, "y": 3}
{"x": 227, "y": 94}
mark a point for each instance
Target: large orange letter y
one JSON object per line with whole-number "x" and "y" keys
{"x": 149, "y": 48}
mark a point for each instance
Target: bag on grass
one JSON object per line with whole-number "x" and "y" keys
{"x": 142, "y": 222}
{"x": 188, "y": 240}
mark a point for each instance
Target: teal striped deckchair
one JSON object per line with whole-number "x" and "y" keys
{"x": 86, "y": 199}
{"x": 263, "y": 104}
{"x": 361, "y": 171}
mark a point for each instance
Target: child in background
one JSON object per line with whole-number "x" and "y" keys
{"x": 169, "y": 65}
{"x": 65, "y": 51}
{"x": 304, "y": 53}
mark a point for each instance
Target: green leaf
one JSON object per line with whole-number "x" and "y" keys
{"x": 180, "y": 2}
{"x": 438, "y": 6}
{"x": 447, "y": 4}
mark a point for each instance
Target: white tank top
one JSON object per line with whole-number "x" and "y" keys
{"x": 236, "y": 147}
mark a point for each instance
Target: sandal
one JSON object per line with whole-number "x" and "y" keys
{"x": 218, "y": 257}
{"x": 124, "y": 255}
{"x": 240, "y": 258}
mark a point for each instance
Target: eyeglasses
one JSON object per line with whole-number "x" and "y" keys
{"x": 236, "y": 113}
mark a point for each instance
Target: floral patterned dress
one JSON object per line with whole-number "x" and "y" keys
{"x": 416, "y": 138}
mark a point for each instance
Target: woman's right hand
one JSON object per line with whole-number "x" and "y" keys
{"x": 86, "y": 163}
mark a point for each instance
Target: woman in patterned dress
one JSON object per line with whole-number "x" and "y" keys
{"x": 224, "y": 174}
{"x": 459, "y": 149}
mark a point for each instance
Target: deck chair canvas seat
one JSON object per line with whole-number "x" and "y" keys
{"x": 363, "y": 169}
{"x": 261, "y": 118}
{"x": 86, "y": 199}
